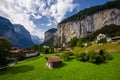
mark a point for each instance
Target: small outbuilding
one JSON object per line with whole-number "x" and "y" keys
{"x": 116, "y": 39}
{"x": 53, "y": 62}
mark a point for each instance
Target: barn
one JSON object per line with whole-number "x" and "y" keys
{"x": 53, "y": 62}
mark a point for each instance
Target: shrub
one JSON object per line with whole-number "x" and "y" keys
{"x": 20, "y": 57}
{"x": 65, "y": 56}
{"x": 108, "y": 56}
{"x": 97, "y": 58}
{"x": 79, "y": 43}
{"x": 103, "y": 40}
{"x": 46, "y": 50}
{"x": 81, "y": 57}
{"x": 73, "y": 42}
{"x": 94, "y": 56}
{"x": 52, "y": 50}
{"x": 70, "y": 53}
{"x": 90, "y": 54}
{"x": 57, "y": 54}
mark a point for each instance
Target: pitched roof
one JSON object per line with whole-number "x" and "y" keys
{"x": 117, "y": 37}
{"x": 53, "y": 59}
{"x": 59, "y": 49}
{"x": 68, "y": 49}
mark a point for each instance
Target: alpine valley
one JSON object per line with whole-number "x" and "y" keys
{"x": 16, "y": 33}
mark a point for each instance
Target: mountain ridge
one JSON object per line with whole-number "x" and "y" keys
{"x": 16, "y": 33}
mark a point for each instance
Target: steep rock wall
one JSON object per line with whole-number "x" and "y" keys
{"x": 67, "y": 31}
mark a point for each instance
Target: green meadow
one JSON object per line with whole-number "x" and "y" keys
{"x": 109, "y": 47}
{"x": 35, "y": 69}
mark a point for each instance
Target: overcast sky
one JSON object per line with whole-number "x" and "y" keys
{"x": 37, "y": 16}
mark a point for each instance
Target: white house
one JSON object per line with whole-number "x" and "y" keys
{"x": 102, "y": 36}
{"x": 31, "y": 53}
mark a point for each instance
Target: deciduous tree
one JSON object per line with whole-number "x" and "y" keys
{"x": 5, "y": 47}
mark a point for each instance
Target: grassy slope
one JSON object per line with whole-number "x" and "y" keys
{"x": 35, "y": 69}
{"x": 110, "y": 47}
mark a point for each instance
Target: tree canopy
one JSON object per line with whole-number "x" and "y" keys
{"x": 111, "y": 30}
{"x": 5, "y": 47}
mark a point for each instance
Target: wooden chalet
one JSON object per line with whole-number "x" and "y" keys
{"x": 53, "y": 62}
{"x": 115, "y": 39}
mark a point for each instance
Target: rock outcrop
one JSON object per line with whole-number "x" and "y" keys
{"x": 66, "y": 31}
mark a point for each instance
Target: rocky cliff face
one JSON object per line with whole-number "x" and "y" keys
{"x": 50, "y": 36}
{"x": 66, "y": 31}
{"x": 16, "y": 33}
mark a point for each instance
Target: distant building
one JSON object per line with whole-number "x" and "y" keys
{"x": 115, "y": 39}
{"x": 23, "y": 53}
{"x": 46, "y": 46}
{"x": 63, "y": 49}
{"x": 53, "y": 62}
{"x": 103, "y": 36}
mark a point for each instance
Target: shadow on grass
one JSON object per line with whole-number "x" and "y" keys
{"x": 71, "y": 58}
{"x": 16, "y": 69}
{"x": 63, "y": 64}
{"x": 102, "y": 63}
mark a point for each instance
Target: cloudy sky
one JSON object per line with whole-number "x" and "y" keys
{"x": 38, "y": 16}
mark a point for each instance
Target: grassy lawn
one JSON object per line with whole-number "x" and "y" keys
{"x": 35, "y": 69}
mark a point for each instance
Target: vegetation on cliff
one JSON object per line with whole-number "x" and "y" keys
{"x": 110, "y": 30}
{"x": 53, "y": 30}
{"x": 89, "y": 11}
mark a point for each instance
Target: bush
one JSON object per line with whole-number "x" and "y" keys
{"x": 46, "y": 50}
{"x": 103, "y": 40}
{"x": 51, "y": 50}
{"x": 108, "y": 56}
{"x": 70, "y": 53}
{"x": 57, "y": 54}
{"x": 79, "y": 43}
{"x": 65, "y": 56}
{"x": 20, "y": 57}
{"x": 90, "y": 54}
{"x": 81, "y": 57}
{"x": 96, "y": 58}
{"x": 73, "y": 42}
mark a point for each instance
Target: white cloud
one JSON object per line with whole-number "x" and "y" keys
{"x": 36, "y": 16}
{"x": 20, "y": 11}
{"x": 49, "y": 24}
{"x": 59, "y": 9}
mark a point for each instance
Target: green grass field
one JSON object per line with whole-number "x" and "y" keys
{"x": 109, "y": 47}
{"x": 35, "y": 69}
